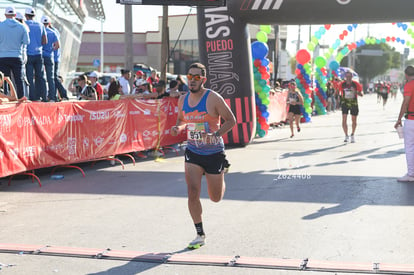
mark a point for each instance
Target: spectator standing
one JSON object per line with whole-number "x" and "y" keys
{"x": 21, "y": 19}
{"x": 13, "y": 38}
{"x": 56, "y": 58}
{"x": 153, "y": 79}
{"x": 93, "y": 77}
{"x": 124, "y": 81}
{"x": 83, "y": 90}
{"x": 182, "y": 85}
{"x": 173, "y": 89}
{"x": 38, "y": 38}
{"x": 407, "y": 110}
{"x": 48, "y": 59}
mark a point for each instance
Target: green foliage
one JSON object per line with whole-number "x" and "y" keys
{"x": 369, "y": 67}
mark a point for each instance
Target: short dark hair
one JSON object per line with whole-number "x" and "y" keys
{"x": 200, "y": 66}
{"x": 173, "y": 84}
{"x": 161, "y": 83}
{"x": 83, "y": 77}
{"x": 409, "y": 70}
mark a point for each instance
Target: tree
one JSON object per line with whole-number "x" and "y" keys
{"x": 369, "y": 67}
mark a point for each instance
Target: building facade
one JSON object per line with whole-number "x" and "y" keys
{"x": 183, "y": 45}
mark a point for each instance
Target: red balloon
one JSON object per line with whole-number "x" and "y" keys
{"x": 350, "y": 47}
{"x": 388, "y": 38}
{"x": 265, "y": 75}
{"x": 303, "y": 56}
{"x": 345, "y": 33}
{"x": 297, "y": 72}
{"x": 327, "y": 27}
{"x": 262, "y": 69}
{"x": 265, "y": 126}
{"x": 257, "y": 63}
{"x": 341, "y": 36}
{"x": 393, "y": 39}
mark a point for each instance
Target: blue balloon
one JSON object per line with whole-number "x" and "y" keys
{"x": 265, "y": 62}
{"x": 350, "y": 28}
{"x": 265, "y": 114}
{"x": 259, "y": 50}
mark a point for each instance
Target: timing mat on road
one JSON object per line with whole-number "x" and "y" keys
{"x": 209, "y": 260}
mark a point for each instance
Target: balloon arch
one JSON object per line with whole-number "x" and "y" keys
{"x": 225, "y": 48}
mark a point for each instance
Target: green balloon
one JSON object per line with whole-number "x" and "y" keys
{"x": 262, "y": 133}
{"x": 311, "y": 46}
{"x": 320, "y": 62}
{"x": 266, "y": 89}
{"x": 315, "y": 40}
{"x": 261, "y": 36}
{"x": 266, "y": 28}
{"x": 265, "y": 101}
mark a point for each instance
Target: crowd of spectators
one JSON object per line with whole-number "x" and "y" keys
{"x": 29, "y": 66}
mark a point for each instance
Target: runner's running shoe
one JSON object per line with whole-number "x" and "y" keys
{"x": 198, "y": 242}
{"x": 346, "y": 139}
{"x": 352, "y": 139}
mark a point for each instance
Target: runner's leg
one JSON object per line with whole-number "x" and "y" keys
{"x": 193, "y": 174}
{"x": 216, "y": 186}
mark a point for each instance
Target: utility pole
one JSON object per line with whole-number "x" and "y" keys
{"x": 164, "y": 43}
{"x": 129, "y": 55}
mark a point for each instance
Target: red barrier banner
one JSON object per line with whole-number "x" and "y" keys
{"x": 277, "y": 107}
{"x": 37, "y": 135}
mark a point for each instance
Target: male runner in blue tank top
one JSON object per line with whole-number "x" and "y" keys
{"x": 199, "y": 112}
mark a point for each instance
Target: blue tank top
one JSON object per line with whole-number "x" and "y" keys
{"x": 199, "y": 121}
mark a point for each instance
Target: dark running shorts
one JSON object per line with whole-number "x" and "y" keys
{"x": 354, "y": 109}
{"x": 212, "y": 164}
{"x": 295, "y": 109}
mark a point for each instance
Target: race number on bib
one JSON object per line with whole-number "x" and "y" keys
{"x": 349, "y": 93}
{"x": 195, "y": 131}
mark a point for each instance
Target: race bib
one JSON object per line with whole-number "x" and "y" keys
{"x": 195, "y": 131}
{"x": 349, "y": 94}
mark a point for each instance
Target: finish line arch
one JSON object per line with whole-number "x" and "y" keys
{"x": 224, "y": 42}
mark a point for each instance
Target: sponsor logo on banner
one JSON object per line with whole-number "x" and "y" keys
{"x": 99, "y": 115}
{"x": 71, "y": 146}
{"x": 54, "y": 148}
{"x": 123, "y": 138}
{"x": 147, "y": 112}
{"x": 29, "y": 151}
{"x": 119, "y": 114}
{"x": 134, "y": 112}
{"x": 70, "y": 118}
{"x": 86, "y": 142}
{"x": 147, "y": 135}
{"x": 34, "y": 120}
{"x": 1, "y": 154}
{"x": 220, "y": 46}
{"x": 5, "y": 123}
{"x": 98, "y": 141}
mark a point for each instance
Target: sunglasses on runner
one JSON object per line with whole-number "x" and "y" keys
{"x": 196, "y": 77}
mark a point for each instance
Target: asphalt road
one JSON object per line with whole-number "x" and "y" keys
{"x": 311, "y": 196}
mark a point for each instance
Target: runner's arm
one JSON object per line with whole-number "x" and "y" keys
{"x": 403, "y": 110}
{"x": 226, "y": 114}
